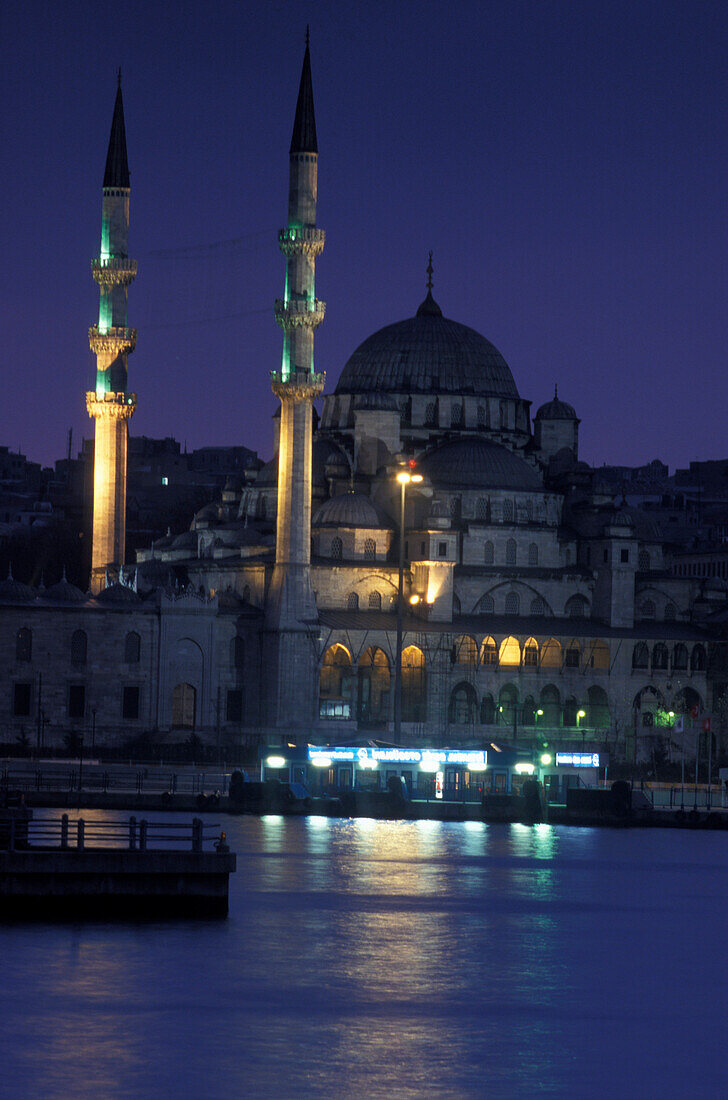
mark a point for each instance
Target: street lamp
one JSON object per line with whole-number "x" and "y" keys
{"x": 405, "y": 478}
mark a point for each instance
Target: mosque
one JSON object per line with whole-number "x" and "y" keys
{"x": 423, "y": 562}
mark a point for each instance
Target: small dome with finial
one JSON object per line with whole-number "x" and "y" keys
{"x": 556, "y": 409}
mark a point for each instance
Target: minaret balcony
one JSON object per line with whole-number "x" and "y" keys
{"x": 298, "y": 239}
{"x": 115, "y": 341}
{"x": 114, "y": 271}
{"x": 299, "y": 313}
{"x": 298, "y": 385}
{"x": 111, "y": 406}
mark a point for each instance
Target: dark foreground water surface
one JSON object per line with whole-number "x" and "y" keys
{"x": 367, "y": 959}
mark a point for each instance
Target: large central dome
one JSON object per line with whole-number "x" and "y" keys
{"x": 427, "y": 354}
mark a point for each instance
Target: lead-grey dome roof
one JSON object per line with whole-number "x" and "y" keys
{"x": 427, "y": 353}
{"x": 349, "y": 510}
{"x": 477, "y": 463}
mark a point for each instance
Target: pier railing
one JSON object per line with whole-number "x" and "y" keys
{"x": 113, "y": 833}
{"x": 90, "y": 777}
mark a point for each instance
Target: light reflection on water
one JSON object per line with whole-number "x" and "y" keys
{"x": 366, "y": 959}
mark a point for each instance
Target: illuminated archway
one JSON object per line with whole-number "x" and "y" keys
{"x": 373, "y": 683}
{"x": 335, "y": 683}
{"x": 551, "y": 654}
{"x": 414, "y": 685}
{"x": 510, "y": 652}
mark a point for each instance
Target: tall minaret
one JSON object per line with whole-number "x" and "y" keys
{"x": 291, "y": 607}
{"x": 111, "y": 341}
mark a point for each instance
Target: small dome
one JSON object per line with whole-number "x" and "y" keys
{"x": 64, "y": 592}
{"x": 349, "y": 510}
{"x": 556, "y": 409}
{"x": 477, "y": 463}
{"x": 621, "y": 518}
{"x": 15, "y": 591}
{"x": 118, "y": 593}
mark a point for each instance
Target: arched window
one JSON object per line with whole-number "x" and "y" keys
{"x": 463, "y": 704}
{"x": 23, "y": 644}
{"x": 570, "y": 709}
{"x": 670, "y": 612}
{"x": 572, "y": 655}
{"x": 513, "y": 603}
{"x": 352, "y": 602}
{"x": 481, "y": 508}
{"x": 529, "y": 510}
{"x": 184, "y": 705}
{"x": 481, "y": 416}
{"x": 486, "y": 605}
{"x": 686, "y": 700}
{"x": 414, "y": 685}
{"x": 370, "y": 549}
{"x": 335, "y": 683}
{"x": 599, "y": 656}
{"x": 533, "y": 554}
{"x": 465, "y": 651}
{"x": 456, "y": 416}
{"x": 538, "y": 607}
{"x": 528, "y": 712}
{"x": 530, "y": 653}
{"x": 375, "y": 601}
{"x": 431, "y": 415}
{"x": 508, "y": 511}
{"x": 488, "y": 553}
{"x": 78, "y": 647}
{"x": 487, "y": 710}
{"x": 373, "y": 686}
{"x": 640, "y": 656}
{"x": 488, "y": 652}
{"x": 507, "y": 704}
{"x": 511, "y": 552}
{"x": 577, "y": 607}
{"x": 454, "y": 507}
{"x": 551, "y": 706}
{"x": 647, "y": 610}
{"x": 680, "y": 657}
{"x": 697, "y": 659}
{"x": 510, "y": 652}
{"x": 551, "y": 654}
{"x": 597, "y": 708}
{"x": 659, "y": 656}
{"x": 132, "y": 648}
{"x": 337, "y": 548}
{"x": 238, "y": 654}
{"x": 405, "y": 410}
{"x": 643, "y": 561}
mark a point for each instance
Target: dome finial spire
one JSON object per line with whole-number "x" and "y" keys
{"x": 556, "y": 392}
{"x": 429, "y": 307}
{"x": 429, "y": 271}
{"x": 308, "y": 37}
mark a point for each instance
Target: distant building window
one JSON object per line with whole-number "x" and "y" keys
{"x": 352, "y": 601}
{"x": 512, "y": 603}
{"x": 21, "y": 700}
{"x": 454, "y": 507}
{"x": 234, "y": 705}
{"x": 533, "y": 554}
{"x": 431, "y": 414}
{"x": 481, "y": 416}
{"x": 130, "y": 702}
{"x": 488, "y": 553}
{"x": 165, "y": 481}
{"x": 76, "y": 700}
{"x": 370, "y": 549}
{"x": 624, "y": 555}
{"x": 643, "y": 562}
{"x": 670, "y": 612}
{"x": 337, "y": 548}
{"x": 647, "y": 610}
{"x": 442, "y": 549}
{"x": 538, "y": 607}
{"x": 132, "y": 647}
{"x": 23, "y": 644}
{"x": 680, "y": 656}
{"x": 659, "y": 656}
{"x": 577, "y": 607}
{"x": 78, "y": 647}
{"x": 606, "y": 555}
{"x": 640, "y": 656}
{"x": 508, "y": 511}
{"x": 511, "y": 552}
{"x": 375, "y": 601}
{"x": 697, "y": 659}
{"x": 487, "y": 605}
{"x": 238, "y": 652}
{"x": 456, "y": 416}
{"x": 571, "y": 657}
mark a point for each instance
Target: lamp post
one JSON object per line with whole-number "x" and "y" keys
{"x": 404, "y": 478}
{"x": 579, "y": 715}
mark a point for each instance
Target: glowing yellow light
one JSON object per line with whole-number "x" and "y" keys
{"x": 546, "y": 758}
{"x": 276, "y": 762}
{"x": 403, "y": 478}
{"x": 416, "y": 478}
{"x": 414, "y": 599}
{"x": 539, "y": 713}
{"x": 525, "y": 769}
{"x": 581, "y": 714}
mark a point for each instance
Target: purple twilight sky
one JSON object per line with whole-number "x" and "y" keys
{"x": 565, "y": 161}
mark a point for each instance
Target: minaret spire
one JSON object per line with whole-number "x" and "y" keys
{"x": 110, "y": 404}
{"x": 291, "y": 606}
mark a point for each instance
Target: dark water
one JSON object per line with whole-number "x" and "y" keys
{"x": 367, "y": 959}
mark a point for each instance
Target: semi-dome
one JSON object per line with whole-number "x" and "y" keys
{"x": 427, "y": 353}
{"x": 349, "y": 510}
{"x": 556, "y": 409}
{"x": 477, "y": 463}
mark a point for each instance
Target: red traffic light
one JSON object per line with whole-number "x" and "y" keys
{"x": 412, "y": 463}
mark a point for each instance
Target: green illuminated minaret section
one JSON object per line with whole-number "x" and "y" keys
{"x": 291, "y": 606}
{"x": 110, "y": 404}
